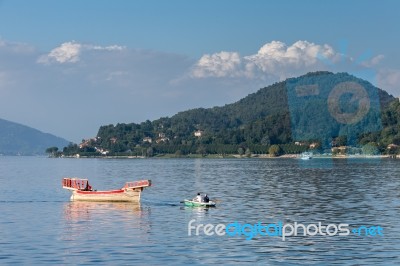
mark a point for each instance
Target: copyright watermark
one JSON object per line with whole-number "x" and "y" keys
{"x": 282, "y": 230}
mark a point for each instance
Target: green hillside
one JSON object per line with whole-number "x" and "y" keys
{"x": 17, "y": 139}
{"x": 310, "y": 108}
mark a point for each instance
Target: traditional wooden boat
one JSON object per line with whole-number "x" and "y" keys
{"x": 192, "y": 203}
{"x": 82, "y": 191}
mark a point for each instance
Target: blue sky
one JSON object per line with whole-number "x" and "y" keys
{"x": 67, "y": 67}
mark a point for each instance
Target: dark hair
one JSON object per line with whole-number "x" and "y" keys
{"x": 198, "y": 193}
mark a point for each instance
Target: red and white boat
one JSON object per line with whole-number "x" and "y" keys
{"x": 82, "y": 191}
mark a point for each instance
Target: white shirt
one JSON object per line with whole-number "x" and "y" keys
{"x": 197, "y": 198}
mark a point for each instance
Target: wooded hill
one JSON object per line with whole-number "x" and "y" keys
{"x": 322, "y": 108}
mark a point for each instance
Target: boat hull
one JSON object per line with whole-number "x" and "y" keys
{"x": 121, "y": 195}
{"x": 191, "y": 203}
{"x": 82, "y": 191}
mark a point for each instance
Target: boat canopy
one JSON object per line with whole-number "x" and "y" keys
{"x": 74, "y": 183}
{"x": 137, "y": 184}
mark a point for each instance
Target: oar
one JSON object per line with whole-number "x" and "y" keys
{"x": 214, "y": 200}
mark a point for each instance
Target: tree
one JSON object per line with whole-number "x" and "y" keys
{"x": 52, "y": 151}
{"x": 265, "y": 140}
{"x": 248, "y": 152}
{"x": 274, "y": 150}
{"x": 341, "y": 141}
{"x": 150, "y": 152}
{"x": 201, "y": 150}
{"x": 71, "y": 149}
{"x": 370, "y": 149}
{"x": 241, "y": 151}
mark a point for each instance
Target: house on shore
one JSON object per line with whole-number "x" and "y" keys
{"x": 198, "y": 133}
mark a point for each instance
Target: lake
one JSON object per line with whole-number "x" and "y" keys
{"x": 39, "y": 225}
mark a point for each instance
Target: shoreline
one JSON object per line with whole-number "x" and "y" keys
{"x": 236, "y": 156}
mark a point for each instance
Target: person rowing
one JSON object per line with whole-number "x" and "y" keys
{"x": 198, "y": 198}
{"x": 206, "y": 199}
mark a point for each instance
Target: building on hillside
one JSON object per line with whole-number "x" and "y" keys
{"x": 392, "y": 146}
{"x": 198, "y": 133}
{"x": 313, "y": 145}
{"x": 147, "y": 139}
{"x": 164, "y": 139}
{"x": 87, "y": 142}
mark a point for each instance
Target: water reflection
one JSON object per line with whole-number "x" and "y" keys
{"x": 75, "y": 210}
{"x": 82, "y": 219}
{"x": 198, "y": 213}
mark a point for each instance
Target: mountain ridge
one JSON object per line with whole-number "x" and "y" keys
{"x": 19, "y": 139}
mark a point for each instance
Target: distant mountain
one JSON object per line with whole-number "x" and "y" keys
{"x": 321, "y": 107}
{"x": 17, "y": 139}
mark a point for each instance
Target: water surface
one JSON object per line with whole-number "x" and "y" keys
{"x": 38, "y": 224}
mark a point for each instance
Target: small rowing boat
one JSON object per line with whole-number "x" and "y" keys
{"x": 192, "y": 203}
{"x": 82, "y": 191}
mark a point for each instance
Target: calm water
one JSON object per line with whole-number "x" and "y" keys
{"x": 39, "y": 225}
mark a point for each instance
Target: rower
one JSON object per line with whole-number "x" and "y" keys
{"x": 206, "y": 199}
{"x": 198, "y": 198}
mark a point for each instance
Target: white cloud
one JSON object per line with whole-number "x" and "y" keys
{"x": 300, "y": 54}
{"x": 106, "y": 48}
{"x": 16, "y": 47}
{"x": 373, "y": 61}
{"x": 273, "y": 59}
{"x": 113, "y": 82}
{"x": 223, "y": 64}
{"x": 69, "y": 52}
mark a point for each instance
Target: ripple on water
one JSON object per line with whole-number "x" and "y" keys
{"x": 39, "y": 225}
